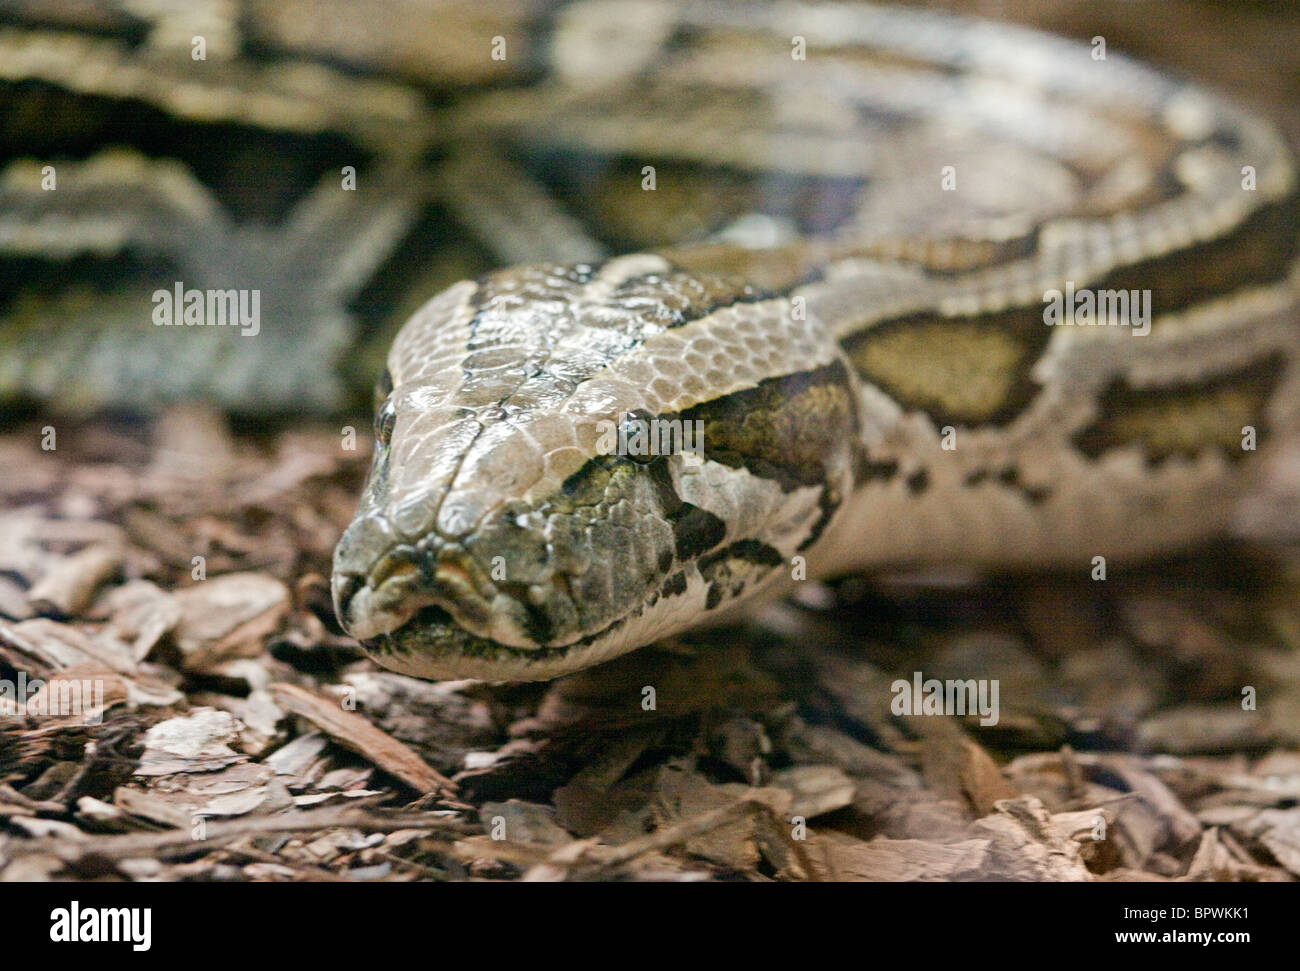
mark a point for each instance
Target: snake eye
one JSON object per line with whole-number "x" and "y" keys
{"x": 384, "y": 419}
{"x": 383, "y": 388}
{"x": 637, "y": 439}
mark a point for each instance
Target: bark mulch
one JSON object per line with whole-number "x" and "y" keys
{"x": 177, "y": 703}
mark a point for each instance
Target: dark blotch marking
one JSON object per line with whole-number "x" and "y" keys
{"x": 1225, "y": 138}
{"x": 869, "y": 471}
{"x": 1258, "y": 251}
{"x": 1187, "y": 418}
{"x": 792, "y": 429}
{"x": 797, "y": 430}
{"x": 716, "y": 568}
{"x": 696, "y": 531}
{"x": 48, "y": 121}
{"x": 749, "y": 550}
{"x": 1034, "y": 495}
{"x": 537, "y": 624}
{"x": 918, "y": 481}
{"x": 675, "y": 585}
{"x": 968, "y": 370}
{"x": 1010, "y": 478}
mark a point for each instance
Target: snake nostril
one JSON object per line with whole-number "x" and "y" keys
{"x": 345, "y": 588}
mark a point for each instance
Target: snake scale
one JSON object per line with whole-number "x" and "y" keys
{"x": 918, "y": 290}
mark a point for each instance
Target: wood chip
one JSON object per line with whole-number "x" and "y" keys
{"x": 815, "y": 790}
{"x": 228, "y": 616}
{"x": 355, "y": 733}
{"x": 67, "y": 588}
{"x": 201, "y": 741}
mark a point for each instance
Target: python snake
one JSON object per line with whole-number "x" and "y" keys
{"x": 883, "y": 389}
{"x": 870, "y": 251}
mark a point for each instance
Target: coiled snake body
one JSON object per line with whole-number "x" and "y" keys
{"x": 936, "y": 354}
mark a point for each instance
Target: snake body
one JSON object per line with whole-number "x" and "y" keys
{"x": 876, "y": 388}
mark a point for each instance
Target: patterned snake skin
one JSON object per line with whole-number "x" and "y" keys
{"x": 875, "y": 387}
{"x": 905, "y": 290}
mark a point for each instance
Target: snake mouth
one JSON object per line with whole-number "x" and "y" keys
{"x": 432, "y": 645}
{"x": 430, "y": 621}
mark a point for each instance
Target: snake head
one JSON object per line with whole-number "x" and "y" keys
{"x": 573, "y": 461}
